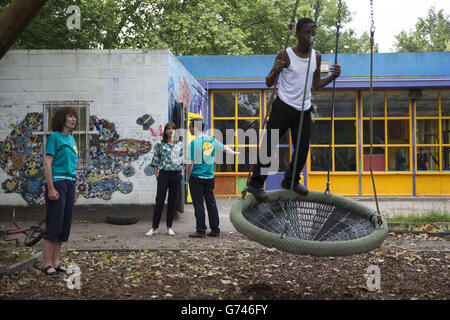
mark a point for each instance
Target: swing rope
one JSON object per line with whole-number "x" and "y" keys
{"x": 299, "y": 134}
{"x": 338, "y": 26}
{"x": 372, "y": 34}
{"x": 269, "y": 105}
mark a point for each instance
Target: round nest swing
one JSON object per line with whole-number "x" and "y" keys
{"x": 321, "y": 224}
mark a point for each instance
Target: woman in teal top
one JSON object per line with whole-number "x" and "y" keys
{"x": 60, "y": 163}
{"x": 168, "y": 164}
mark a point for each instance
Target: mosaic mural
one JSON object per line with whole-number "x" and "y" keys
{"x": 21, "y": 159}
{"x": 109, "y": 156}
{"x": 146, "y": 121}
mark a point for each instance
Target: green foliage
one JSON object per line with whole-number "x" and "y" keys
{"x": 194, "y": 27}
{"x": 429, "y": 216}
{"x": 432, "y": 33}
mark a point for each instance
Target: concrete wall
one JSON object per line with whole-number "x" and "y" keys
{"x": 128, "y": 94}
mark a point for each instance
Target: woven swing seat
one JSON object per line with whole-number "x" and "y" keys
{"x": 320, "y": 224}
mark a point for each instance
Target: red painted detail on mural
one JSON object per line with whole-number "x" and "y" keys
{"x": 157, "y": 134}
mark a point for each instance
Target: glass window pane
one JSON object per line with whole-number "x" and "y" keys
{"x": 345, "y": 159}
{"x": 224, "y": 104}
{"x": 284, "y": 159}
{"x": 428, "y": 105}
{"x": 80, "y": 140}
{"x": 321, "y": 105}
{"x": 398, "y": 131}
{"x": 51, "y": 112}
{"x": 224, "y": 162}
{"x": 248, "y": 104}
{"x": 378, "y": 159}
{"x": 224, "y": 131}
{"x": 320, "y": 132}
{"x": 397, "y": 104}
{"x": 428, "y": 131}
{"x": 248, "y": 132}
{"x": 446, "y": 131}
{"x": 427, "y": 158}
{"x": 345, "y": 105}
{"x": 82, "y": 119}
{"x": 378, "y": 131}
{"x": 268, "y": 94}
{"x": 319, "y": 159}
{"x": 247, "y": 157}
{"x": 445, "y": 103}
{"x": 345, "y": 132}
{"x": 445, "y": 158}
{"x": 285, "y": 139}
{"x": 398, "y": 159}
{"x": 377, "y": 107}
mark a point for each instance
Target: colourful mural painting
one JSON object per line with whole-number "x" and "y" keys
{"x": 21, "y": 158}
{"x": 146, "y": 121}
{"x": 109, "y": 156}
{"x": 183, "y": 88}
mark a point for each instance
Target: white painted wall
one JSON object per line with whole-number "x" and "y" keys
{"x": 123, "y": 85}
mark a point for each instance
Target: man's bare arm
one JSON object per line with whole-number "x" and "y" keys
{"x": 281, "y": 61}
{"x": 318, "y": 82}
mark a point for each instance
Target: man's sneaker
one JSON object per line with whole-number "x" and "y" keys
{"x": 151, "y": 232}
{"x": 197, "y": 235}
{"x": 259, "y": 193}
{"x": 213, "y": 234}
{"x": 170, "y": 232}
{"x": 299, "y": 188}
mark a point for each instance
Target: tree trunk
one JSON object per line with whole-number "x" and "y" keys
{"x": 15, "y": 19}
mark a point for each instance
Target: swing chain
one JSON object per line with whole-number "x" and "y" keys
{"x": 292, "y": 23}
{"x": 372, "y": 25}
{"x": 330, "y": 150}
{"x": 316, "y": 10}
{"x": 338, "y": 21}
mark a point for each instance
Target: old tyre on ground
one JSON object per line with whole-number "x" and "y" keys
{"x": 121, "y": 219}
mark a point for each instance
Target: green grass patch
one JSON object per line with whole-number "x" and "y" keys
{"x": 429, "y": 216}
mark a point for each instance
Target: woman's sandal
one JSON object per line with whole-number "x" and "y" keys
{"x": 60, "y": 268}
{"x": 50, "y": 273}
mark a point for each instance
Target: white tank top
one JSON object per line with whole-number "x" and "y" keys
{"x": 292, "y": 82}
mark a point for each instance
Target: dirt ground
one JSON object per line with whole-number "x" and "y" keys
{"x": 120, "y": 262}
{"x": 232, "y": 267}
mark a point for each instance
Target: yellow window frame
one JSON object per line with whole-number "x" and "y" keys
{"x": 387, "y": 145}
{"x": 333, "y": 145}
{"x": 440, "y": 145}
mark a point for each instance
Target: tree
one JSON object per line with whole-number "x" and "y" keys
{"x": 194, "y": 27}
{"x": 432, "y": 33}
{"x": 14, "y": 19}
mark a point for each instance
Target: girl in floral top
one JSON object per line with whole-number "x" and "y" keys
{"x": 168, "y": 165}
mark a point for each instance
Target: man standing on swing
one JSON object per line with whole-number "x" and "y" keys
{"x": 287, "y": 107}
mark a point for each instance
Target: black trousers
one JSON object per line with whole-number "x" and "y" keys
{"x": 167, "y": 180}
{"x": 284, "y": 117}
{"x": 203, "y": 189}
{"x": 60, "y": 212}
